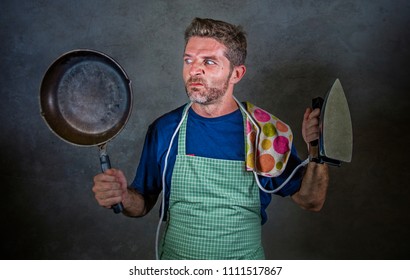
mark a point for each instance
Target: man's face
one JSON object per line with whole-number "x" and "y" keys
{"x": 206, "y": 70}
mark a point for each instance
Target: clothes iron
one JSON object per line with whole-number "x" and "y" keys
{"x": 335, "y": 144}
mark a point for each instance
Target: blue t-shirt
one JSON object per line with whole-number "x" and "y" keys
{"x": 220, "y": 138}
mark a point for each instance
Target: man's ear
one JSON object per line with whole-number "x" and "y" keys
{"x": 237, "y": 73}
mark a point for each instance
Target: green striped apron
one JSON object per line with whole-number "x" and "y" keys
{"x": 214, "y": 209}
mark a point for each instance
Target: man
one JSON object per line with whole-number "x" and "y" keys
{"x": 213, "y": 207}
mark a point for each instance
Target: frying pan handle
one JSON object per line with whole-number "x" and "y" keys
{"x": 105, "y": 165}
{"x": 316, "y": 103}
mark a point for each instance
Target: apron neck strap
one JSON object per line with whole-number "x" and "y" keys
{"x": 182, "y": 130}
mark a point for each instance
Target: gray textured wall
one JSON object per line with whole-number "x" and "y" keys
{"x": 296, "y": 50}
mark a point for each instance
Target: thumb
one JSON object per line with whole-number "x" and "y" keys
{"x": 307, "y": 113}
{"x": 304, "y": 123}
{"x": 119, "y": 175}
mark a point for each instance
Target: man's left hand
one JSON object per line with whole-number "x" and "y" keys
{"x": 310, "y": 125}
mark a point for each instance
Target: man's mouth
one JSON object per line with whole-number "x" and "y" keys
{"x": 195, "y": 83}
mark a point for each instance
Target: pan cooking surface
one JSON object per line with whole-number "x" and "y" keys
{"x": 91, "y": 97}
{"x": 85, "y": 97}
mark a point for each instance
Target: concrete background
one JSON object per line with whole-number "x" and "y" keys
{"x": 296, "y": 50}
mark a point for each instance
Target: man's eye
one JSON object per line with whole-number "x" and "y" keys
{"x": 188, "y": 60}
{"x": 209, "y": 62}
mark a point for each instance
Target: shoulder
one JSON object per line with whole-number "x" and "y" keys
{"x": 166, "y": 119}
{"x": 167, "y": 123}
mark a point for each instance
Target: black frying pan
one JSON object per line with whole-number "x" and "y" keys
{"x": 86, "y": 99}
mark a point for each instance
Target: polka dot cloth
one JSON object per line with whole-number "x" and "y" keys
{"x": 274, "y": 143}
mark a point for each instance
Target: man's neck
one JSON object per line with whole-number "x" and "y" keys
{"x": 220, "y": 108}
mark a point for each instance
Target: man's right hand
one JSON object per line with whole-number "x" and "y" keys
{"x": 110, "y": 187}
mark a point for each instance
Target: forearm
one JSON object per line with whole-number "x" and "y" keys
{"x": 136, "y": 205}
{"x": 312, "y": 193}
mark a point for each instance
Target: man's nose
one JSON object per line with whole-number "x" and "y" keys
{"x": 196, "y": 69}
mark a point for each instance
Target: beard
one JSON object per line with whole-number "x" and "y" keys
{"x": 205, "y": 95}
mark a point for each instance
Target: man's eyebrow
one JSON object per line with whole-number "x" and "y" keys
{"x": 212, "y": 57}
